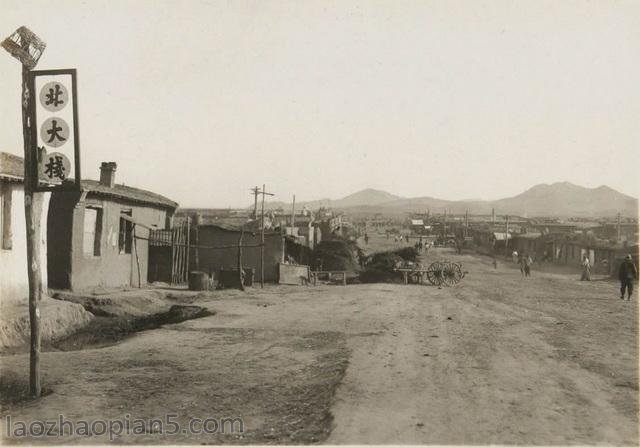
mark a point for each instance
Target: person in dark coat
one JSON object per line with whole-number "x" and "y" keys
{"x": 627, "y": 274}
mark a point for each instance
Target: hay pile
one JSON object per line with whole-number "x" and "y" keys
{"x": 337, "y": 254}
{"x": 379, "y": 267}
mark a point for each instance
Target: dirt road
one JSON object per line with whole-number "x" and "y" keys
{"x": 497, "y": 359}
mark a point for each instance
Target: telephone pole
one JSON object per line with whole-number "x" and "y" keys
{"x": 293, "y": 213}
{"x": 264, "y": 193}
{"x": 444, "y": 228}
{"x": 618, "y": 228}
{"x": 255, "y": 191}
{"x": 506, "y": 237}
{"x": 466, "y": 223}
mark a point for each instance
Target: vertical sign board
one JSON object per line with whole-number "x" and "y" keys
{"x": 54, "y": 130}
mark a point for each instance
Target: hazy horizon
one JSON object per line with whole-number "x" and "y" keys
{"x": 200, "y": 101}
{"x": 302, "y": 200}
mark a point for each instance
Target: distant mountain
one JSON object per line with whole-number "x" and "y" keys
{"x": 562, "y": 199}
{"x": 567, "y": 199}
{"x": 366, "y": 197}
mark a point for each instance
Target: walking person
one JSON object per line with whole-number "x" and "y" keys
{"x": 627, "y": 274}
{"x": 527, "y": 265}
{"x": 521, "y": 263}
{"x": 586, "y": 269}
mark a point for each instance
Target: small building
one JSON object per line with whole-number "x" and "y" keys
{"x": 628, "y": 231}
{"x": 501, "y": 241}
{"x": 330, "y": 225}
{"x": 491, "y": 241}
{"x": 555, "y": 227}
{"x": 306, "y": 231}
{"x": 213, "y": 259}
{"x": 98, "y": 237}
{"x": 418, "y": 226}
{"x": 604, "y": 256}
{"x": 14, "y": 282}
{"x": 529, "y": 243}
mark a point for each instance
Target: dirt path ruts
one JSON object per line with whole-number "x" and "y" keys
{"x": 496, "y": 372}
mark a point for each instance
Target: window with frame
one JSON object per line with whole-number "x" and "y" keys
{"x": 92, "y": 231}
{"x": 125, "y": 233}
{"x": 5, "y": 217}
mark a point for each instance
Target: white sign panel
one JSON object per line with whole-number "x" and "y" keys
{"x": 54, "y": 125}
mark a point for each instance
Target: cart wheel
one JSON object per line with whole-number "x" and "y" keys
{"x": 448, "y": 275}
{"x": 458, "y": 273}
{"x": 434, "y": 273}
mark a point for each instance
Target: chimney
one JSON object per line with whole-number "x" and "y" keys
{"x": 108, "y": 173}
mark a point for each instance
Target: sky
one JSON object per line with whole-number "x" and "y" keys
{"x": 202, "y": 100}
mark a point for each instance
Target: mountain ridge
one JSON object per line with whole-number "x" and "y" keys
{"x": 544, "y": 199}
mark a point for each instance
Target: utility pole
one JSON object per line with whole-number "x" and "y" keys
{"x": 466, "y": 223}
{"x": 264, "y": 193}
{"x": 240, "y": 269}
{"x": 506, "y": 236}
{"x": 25, "y": 46}
{"x": 188, "y": 244}
{"x": 618, "y": 229}
{"x": 444, "y": 227}
{"x": 255, "y": 191}
{"x": 293, "y": 213}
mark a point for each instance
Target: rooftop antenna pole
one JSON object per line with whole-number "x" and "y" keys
{"x": 25, "y": 46}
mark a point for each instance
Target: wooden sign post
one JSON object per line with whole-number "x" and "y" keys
{"x": 25, "y": 46}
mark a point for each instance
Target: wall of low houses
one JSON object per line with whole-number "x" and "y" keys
{"x": 532, "y": 246}
{"x": 14, "y": 281}
{"x": 71, "y": 268}
{"x": 211, "y": 261}
{"x": 567, "y": 253}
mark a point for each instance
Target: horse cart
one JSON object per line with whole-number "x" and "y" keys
{"x": 439, "y": 273}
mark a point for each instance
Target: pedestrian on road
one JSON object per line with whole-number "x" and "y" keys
{"x": 515, "y": 257}
{"x": 627, "y": 274}
{"x": 366, "y": 239}
{"x": 586, "y": 269}
{"x": 527, "y": 265}
{"x": 521, "y": 263}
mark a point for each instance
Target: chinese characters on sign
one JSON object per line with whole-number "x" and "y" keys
{"x": 55, "y": 132}
{"x": 55, "y": 126}
{"x": 54, "y": 96}
{"x": 55, "y": 166}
